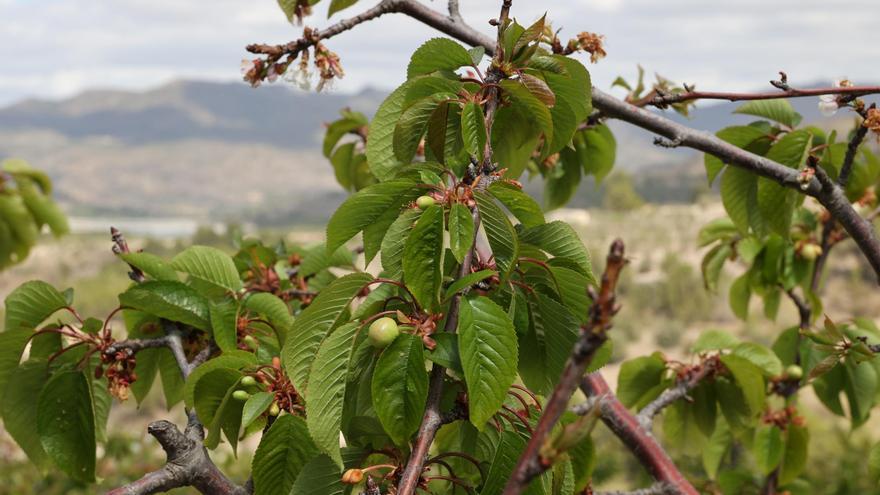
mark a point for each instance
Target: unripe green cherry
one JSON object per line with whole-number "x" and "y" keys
{"x": 248, "y": 381}
{"x": 250, "y": 341}
{"x": 811, "y": 251}
{"x": 423, "y": 202}
{"x": 274, "y": 410}
{"x": 383, "y": 332}
{"x": 794, "y": 372}
{"x": 241, "y": 395}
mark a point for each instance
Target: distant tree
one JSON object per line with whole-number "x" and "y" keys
{"x": 620, "y": 193}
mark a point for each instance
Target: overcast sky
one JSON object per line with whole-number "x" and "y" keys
{"x": 56, "y": 48}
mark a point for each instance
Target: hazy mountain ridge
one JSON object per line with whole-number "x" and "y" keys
{"x": 220, "y": 151}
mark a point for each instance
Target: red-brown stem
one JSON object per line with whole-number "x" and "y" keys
{"x": 593, "y": 334}
{"x": 852, "y": 91}
{"x": 640, "y": 442}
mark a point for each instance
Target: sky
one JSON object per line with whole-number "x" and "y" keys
{"x": 58, "y": 48}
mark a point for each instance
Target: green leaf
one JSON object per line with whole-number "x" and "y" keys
{"x": 395, "y": 240}
{"x": 599, "y": 151}
{"x": 572, "y": 90}
{"x": 639, "y": 378}
{"x": 31, "y": 303}
{"x": 234, "y": 360}
{"x": 317, "y": 259}
{"x": 400, "y": 387}
{"x": 273, "y": 308}
{"x": 150, "y": 264}
{"x": 461, "y": 231}
{"x": 224, "y": 322}
{"x": 211, "y": 393}
{"x": 761, "y": 357}
{"x": 315, "y": 322}
{"x": 739, "y": 194}
{"x": 18, "y": 408}
{"x": 321, "y": 476}
{"x": 289, "y": 8}
{"x": 66, "y": 424}
{"x": 523, "y": 98}
{"x": 423, "y": 258}
{"x": 714, "y": 340}
{"x": 326, "y": 391}
{"x": 715, "y": 451}
{"x": 473, "y": 129}
{"x": 559, "y": 239}
{"x": 560, "y": 187}
{"x": 523, "y": 207}
{"x": 740, "y": 293}
{"x": 282, "y": 455}
{"x": 557, "y": 331}
{"x": 488, "y": 346}
{"x": 12, "y": 344}
{"x": 413, "y": 123}
{"x": 173, "y": 301}
{"x": 776, "y": 110}
{"x": 437, "y": 54}
{"x": 337, "y": 5}
{"x": 255, "y": 406}
{"x": 712, "y": 265}
{"x": 776, "y": 202}
{"x": 768, "y": 447}
{"x": 797, "y": 446}
{"x": 506, "y": 455}
{"x": 749, "y": 380}
{"x": 446, "y": 352}
{"x": 380, "y": 147}
{"x": 861, "y": 389}
{"x": 500, "y": 232}
{"x": 208, "y": 264}
{"x": 467, "y": 281}
{"x": 365, "y": 207}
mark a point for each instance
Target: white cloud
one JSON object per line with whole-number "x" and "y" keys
{"x": 55, "y": 48}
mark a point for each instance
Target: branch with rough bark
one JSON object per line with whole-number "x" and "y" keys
{"x": 593, "y": 335}
{"x": 655, "y": 489}
{"x": 637, "y": 439}
{"x": 188, "y": 462}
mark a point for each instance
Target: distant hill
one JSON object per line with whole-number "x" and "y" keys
{"x": 217, "y": 151}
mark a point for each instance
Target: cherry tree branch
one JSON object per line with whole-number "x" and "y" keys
{"x": 852, "y": 91}
{"x": 640, "y": 441}
{"x": 593, "y": 335}
{"x": 188, "y": 462}
{"x": 679, "y": 391}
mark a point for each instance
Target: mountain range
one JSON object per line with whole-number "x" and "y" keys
{"x": 220, "y": 151}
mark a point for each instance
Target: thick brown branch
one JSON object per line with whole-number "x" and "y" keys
{"x": 188, "y": 464}
{"x": 593, "y": 334}
{"x": 852, "y": 91}
{"x": 640, "y": 442}
{"x": 851, "y": 149}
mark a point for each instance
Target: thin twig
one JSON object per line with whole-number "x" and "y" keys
{"x": 678, "y": 391}
{"x": 655, "y": 489}
{"x": 852, "y": 91}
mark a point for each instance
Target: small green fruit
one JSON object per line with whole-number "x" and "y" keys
{"x": 274, "y": 410}
{"x": 811, "y": 251}
{"x": 248, "y": 381}
{"x": 424, "y": 202}
{"x": 241, "y": 395}
{"x": 250, "y": 341}
{"x": 383, "y": 332}
{"x": 794, "y": 372}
